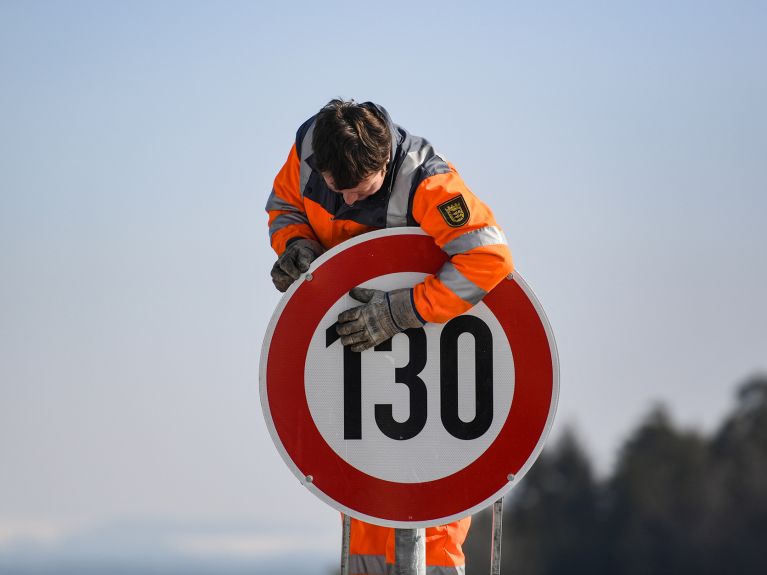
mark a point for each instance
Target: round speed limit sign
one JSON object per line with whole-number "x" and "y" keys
{"x": 423, "y": 429}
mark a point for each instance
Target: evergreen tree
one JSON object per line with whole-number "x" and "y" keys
{"x": 550, "y": 522}
{"x": 737, "y": 522}
{"x": 656, "y": 501}
{"x": 677, "y": 503}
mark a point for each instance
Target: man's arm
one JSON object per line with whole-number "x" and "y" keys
{"x": 287, "y": 217}
{"x": 290, "y": 233}
{"x": 465, "y": 228}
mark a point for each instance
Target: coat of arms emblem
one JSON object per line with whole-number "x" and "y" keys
{"x": 455, "y": 212}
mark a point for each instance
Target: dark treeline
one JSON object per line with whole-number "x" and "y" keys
{"x": 677, "y": 502}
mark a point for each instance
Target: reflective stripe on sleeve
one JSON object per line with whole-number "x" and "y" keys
{"x": 367, "y": 564}
{"x": 276, "y": 203}
{"x": 487, "y": 236}
{"x": 456, "y": 282}
{"x": 306, "y": 151}
{"x": 284, "y": 220}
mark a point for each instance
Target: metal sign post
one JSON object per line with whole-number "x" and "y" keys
{"x": 496, "y": 538}
{"x": 345, "y": 543}
{"x": 409, "y": 552}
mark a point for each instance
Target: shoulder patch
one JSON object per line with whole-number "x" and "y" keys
{"x": 455, "y": 212}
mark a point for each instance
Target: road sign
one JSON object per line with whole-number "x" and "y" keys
{"x": 427, "y": 428}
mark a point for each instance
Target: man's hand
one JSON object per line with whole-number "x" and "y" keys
{"x": 383, "y": 315}
{"x": 294, "y": 261}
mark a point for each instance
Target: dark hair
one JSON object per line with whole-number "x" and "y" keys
{"x": 351, "y": 141}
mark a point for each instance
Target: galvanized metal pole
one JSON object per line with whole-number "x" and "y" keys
{"x": 409, "y": 552}
{"x": 345, "y": 541}
{"x": 495, "y": 545}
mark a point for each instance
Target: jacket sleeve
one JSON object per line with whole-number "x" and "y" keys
{"x": 287, "y": 216}
{"x": 466, "y": 230}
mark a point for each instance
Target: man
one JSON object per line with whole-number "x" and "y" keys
{"x": 352, "y": 170}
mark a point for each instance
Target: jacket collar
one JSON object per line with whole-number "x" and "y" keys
{"x": 392, "y": 130}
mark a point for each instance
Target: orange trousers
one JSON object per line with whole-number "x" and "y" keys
{"x": 371, "y": 548}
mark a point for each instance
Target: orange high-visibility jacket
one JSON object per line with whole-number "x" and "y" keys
{"x": 372, "y": 548}
{"x": 421, "y": 189}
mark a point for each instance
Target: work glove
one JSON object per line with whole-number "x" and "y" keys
{"x": 383, "y": 315}
{"x": 294, "y": 261}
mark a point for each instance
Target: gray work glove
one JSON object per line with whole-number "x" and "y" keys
{"x": 294, "y": 261}
{"x": 383, "y": 315}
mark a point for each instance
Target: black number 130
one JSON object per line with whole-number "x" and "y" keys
{"x": 409, "y": 376}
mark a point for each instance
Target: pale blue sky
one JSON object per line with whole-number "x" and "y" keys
{"x": 621, "y": 146}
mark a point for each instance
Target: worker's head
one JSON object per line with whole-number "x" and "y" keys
{"x": 352, "y": 143}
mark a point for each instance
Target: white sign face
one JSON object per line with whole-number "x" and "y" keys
{"x": 426, "y": 428}
{"x": 433, "y": 452}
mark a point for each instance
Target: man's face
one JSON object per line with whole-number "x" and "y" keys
{"x": 367, "y": 187}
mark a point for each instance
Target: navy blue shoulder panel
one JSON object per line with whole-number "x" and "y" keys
{"x": 302, "y": 132}
{"x": 432, "y": 166}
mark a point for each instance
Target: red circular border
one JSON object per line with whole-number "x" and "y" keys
{"x": 347, "y": 485}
